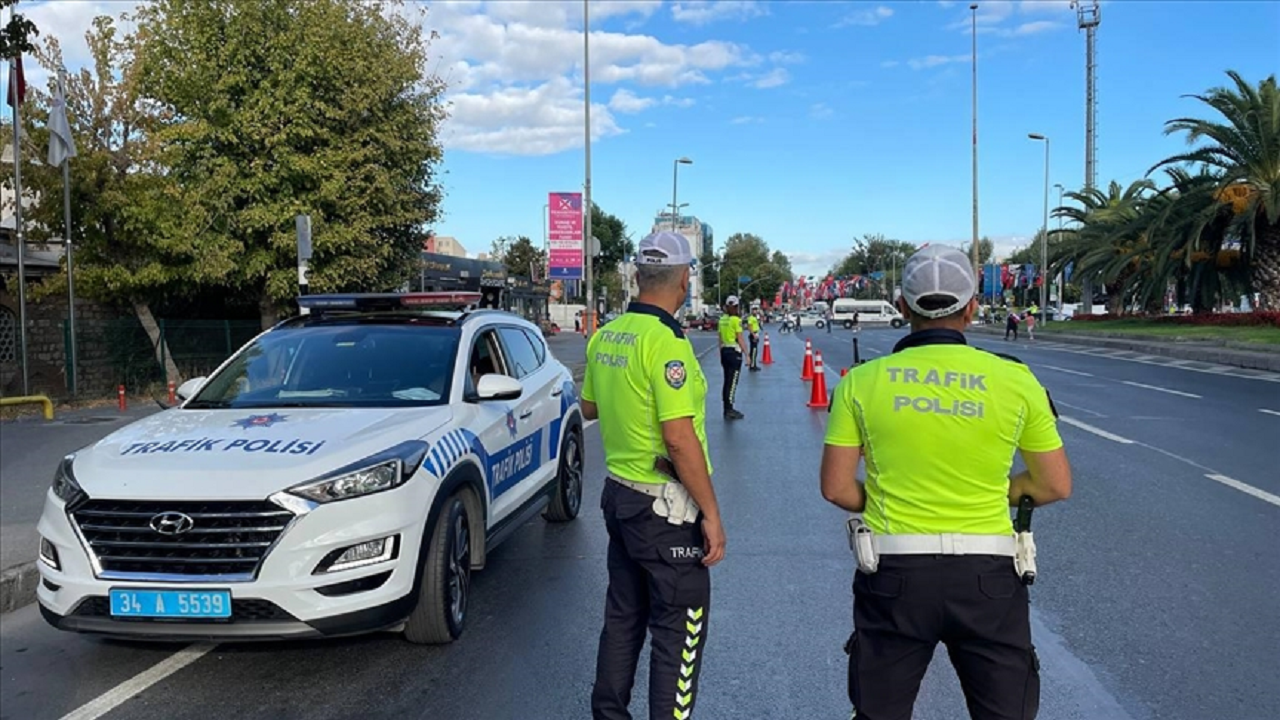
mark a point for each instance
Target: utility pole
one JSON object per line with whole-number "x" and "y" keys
{"x": 1088, "y": 17}
{"x": 973, "y": 247}
{"x": 587, "y": 240}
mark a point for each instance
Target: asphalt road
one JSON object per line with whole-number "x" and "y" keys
{"x": 1157, "y": 596}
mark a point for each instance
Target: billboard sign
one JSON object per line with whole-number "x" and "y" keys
{"x": 564, "y": 228}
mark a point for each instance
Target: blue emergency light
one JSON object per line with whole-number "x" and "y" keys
{"x": 446, "y": 300}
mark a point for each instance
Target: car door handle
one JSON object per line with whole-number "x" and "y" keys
{"x": 557, "y": 392}
{"x": 526, "y": 415}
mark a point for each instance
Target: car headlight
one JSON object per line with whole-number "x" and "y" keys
{"x": 383, "y": 471}
{"x": 65, "y": 487}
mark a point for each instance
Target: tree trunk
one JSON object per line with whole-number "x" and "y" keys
{"x": 267, "y": 312}
{"x": 158, "y": 342}
{"x": 1265, "y": 270}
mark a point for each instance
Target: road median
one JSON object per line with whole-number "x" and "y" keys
{"x": 18, "y": 586}
{"x": 1221, "y": 353}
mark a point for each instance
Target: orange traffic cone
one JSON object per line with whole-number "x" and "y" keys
{"x": 766, "y": 358}
{"x": 818, "y": 397}
{"x": 806, "y": 372}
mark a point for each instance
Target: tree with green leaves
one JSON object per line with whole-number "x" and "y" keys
{"x": 986, "y": 250}
{"x": 519, "y": 254}
{"x": 133, "y": 224}
{"x": 873, "y": 253}
{"x": 18, "y": 35}
{"x": 748, "y": 256}
{"x": 269, "y": 109}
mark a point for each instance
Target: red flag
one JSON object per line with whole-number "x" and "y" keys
{"x": 17, "y": 83}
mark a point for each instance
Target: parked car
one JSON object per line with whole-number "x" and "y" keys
{"x": 345, "y": 471}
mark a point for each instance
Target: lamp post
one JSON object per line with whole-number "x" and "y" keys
{"x": 588, "y": 323}
{"x": 675, "y": 177}
{"x": 1044, "y": 239}
{"x": 546, "y": 242}
{"x": 1057, "y": 281}
{"x": 973, "y": 248}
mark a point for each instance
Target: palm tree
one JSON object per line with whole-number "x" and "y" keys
{"x": 1244, "y": 154}
{"x": 1104, "y": 230}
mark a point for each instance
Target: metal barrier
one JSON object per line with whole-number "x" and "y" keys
{"x": 29, "y": 399}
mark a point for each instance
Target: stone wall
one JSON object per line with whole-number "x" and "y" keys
{"x": 46, "y": 347}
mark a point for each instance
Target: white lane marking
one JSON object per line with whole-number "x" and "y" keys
{"x": 1246, "y": 488}
{"x": 1094, "y": 413}
{"x": 118, "y": 695}
{"x": 1269, "y": 412}
{"x": 1160, "y": 361}
{"x": 589, "y": 423}
{"x": 1096, "y": 431}
{"x": 1069, "y": 372}
{"x": 1163, "y": 390}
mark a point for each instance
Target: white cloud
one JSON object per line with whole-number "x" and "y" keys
{"x": 820, "y": 111}
{"x": 785, "y": 58}
{"x": 773, "y": 78}
{"x": 678, "y": 101}
{"x": 1045, "y": 6}
{"x": 68, "y": 22}
{"x": 946, "y": 3}
{"x": 866, "y": 17}
{"x": 815, "y": 263}
{"x": 625, "y": 101}
{"x": 993, "y": 14}
{"x": 747, "y": 120}
{"x": 701, "y": 12}
{"x": 1033, "y": 28}
{"x": 525, "y": 121}
{"x": 930, "y": 61}
{"x": 890, "y": 64}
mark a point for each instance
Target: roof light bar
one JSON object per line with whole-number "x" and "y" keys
{"x": 446, "y": 300}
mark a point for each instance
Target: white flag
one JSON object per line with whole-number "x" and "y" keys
{"x": 61, "y": 144}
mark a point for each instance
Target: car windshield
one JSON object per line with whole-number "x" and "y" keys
{"x": 343, "y": 365}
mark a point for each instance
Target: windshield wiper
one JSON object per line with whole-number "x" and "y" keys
{"x": 207, "y": 404}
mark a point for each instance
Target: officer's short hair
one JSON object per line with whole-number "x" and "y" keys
{"x": 938, "y": 302}
{"x": 658, "y": 277}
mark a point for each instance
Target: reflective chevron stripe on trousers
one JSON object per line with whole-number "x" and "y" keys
{"x": 731, "y": 361}
{"x": 657, "y": 582}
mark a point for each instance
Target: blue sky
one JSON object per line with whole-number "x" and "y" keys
{"x": 809, "y": 123}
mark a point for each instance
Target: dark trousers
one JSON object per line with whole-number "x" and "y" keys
{"x": 731, "y": 361}
{"x": 973, "y": 604}
{"x": 1011, "y": 328}
{"x": 656, "y": 581}
{"x": 755, "y": 347}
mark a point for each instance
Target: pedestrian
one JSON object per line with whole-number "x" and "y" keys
{"x": 645, "y": 386}
{"x": 831, "y": 318}
{"x": 935, "y": 543}
{"x": 1031, "y": 325}
{"x": 856, "y": 327}
{"x": 1011, "y": 325}
{"x": 753, "y": 330}
{"x": 732, "y": 348}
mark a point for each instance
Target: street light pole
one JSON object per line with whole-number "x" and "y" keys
{"x": 1057, "y": 281}
{"x": 675, "y": 177}
{"x": 973, "y": 248}
{"x": 588, "y": 321}
{"x": 546, "y": 242}
{"x": 1044, "y": 238}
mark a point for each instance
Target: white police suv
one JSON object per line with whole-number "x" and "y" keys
{"x": 344, "y": 472}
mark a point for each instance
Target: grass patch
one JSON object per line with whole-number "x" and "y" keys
{"x": 1260, "y": 334}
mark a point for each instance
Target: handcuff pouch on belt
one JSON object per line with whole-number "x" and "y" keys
{"x": 864, "y": 549}
{"x": 676, "y": 505}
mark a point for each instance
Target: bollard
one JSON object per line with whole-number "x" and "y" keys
{"x": 120, "y": 396}
{"x": 173, "y": 393}
{"x": 856, "y": 358}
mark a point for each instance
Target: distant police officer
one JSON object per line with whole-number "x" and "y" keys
{"x": 732, "y": 348}
{"x": 938, "y": 422}
{"x": 753, "y": 330}
{"x": 644, "y": 384}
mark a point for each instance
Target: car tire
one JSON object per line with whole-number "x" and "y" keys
{"x": 848, "y": 324}
{"x": 896, "y": 323}
{"x": 445, "y": 587}
{"x": 566, "y": 501}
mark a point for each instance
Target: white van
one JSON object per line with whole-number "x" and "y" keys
{"x": 869, "y": 311}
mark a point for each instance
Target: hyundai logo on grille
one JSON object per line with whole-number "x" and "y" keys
{"x": 171, "y": 523}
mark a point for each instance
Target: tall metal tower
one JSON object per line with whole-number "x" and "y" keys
{"x": 1088, "y": 17}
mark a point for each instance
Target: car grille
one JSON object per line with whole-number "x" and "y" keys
{"x": 227, "y": 540}
{"x": 246, "y": 610}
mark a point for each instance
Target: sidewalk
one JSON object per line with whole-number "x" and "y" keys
{"x": 1210, "y": 352}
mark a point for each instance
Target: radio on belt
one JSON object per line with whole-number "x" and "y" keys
{"x": 1024, "y": 558}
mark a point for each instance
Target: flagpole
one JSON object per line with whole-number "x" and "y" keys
{"x": 19, "y": 240}
{"x": 66, "y": 215}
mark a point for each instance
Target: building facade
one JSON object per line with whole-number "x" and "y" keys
{"x": 702, "y": 240}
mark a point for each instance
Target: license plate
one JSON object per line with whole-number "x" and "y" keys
{"x": 171, "y": 603}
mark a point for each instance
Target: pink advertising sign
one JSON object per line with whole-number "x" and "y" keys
{"x": 564, "y": 227}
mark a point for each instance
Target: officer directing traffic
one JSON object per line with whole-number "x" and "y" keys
{"x": 732, "y": 348}
{"x": 644, "y": 384}
{"x": 938, "y": 421}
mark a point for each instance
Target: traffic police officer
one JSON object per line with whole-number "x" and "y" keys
{"x": 644, "y": 384}
{"x": 753, "y": 330}
{"x": 938, "y": 422}
{"x": 732, "y": 348}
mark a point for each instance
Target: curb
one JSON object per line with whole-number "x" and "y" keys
{"x": 18, "y": 586}
{"x": 1199, "y": 352}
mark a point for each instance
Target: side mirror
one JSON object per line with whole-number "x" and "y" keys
{"x": 189, "y": 388}
{"x": 498, "y": 387}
